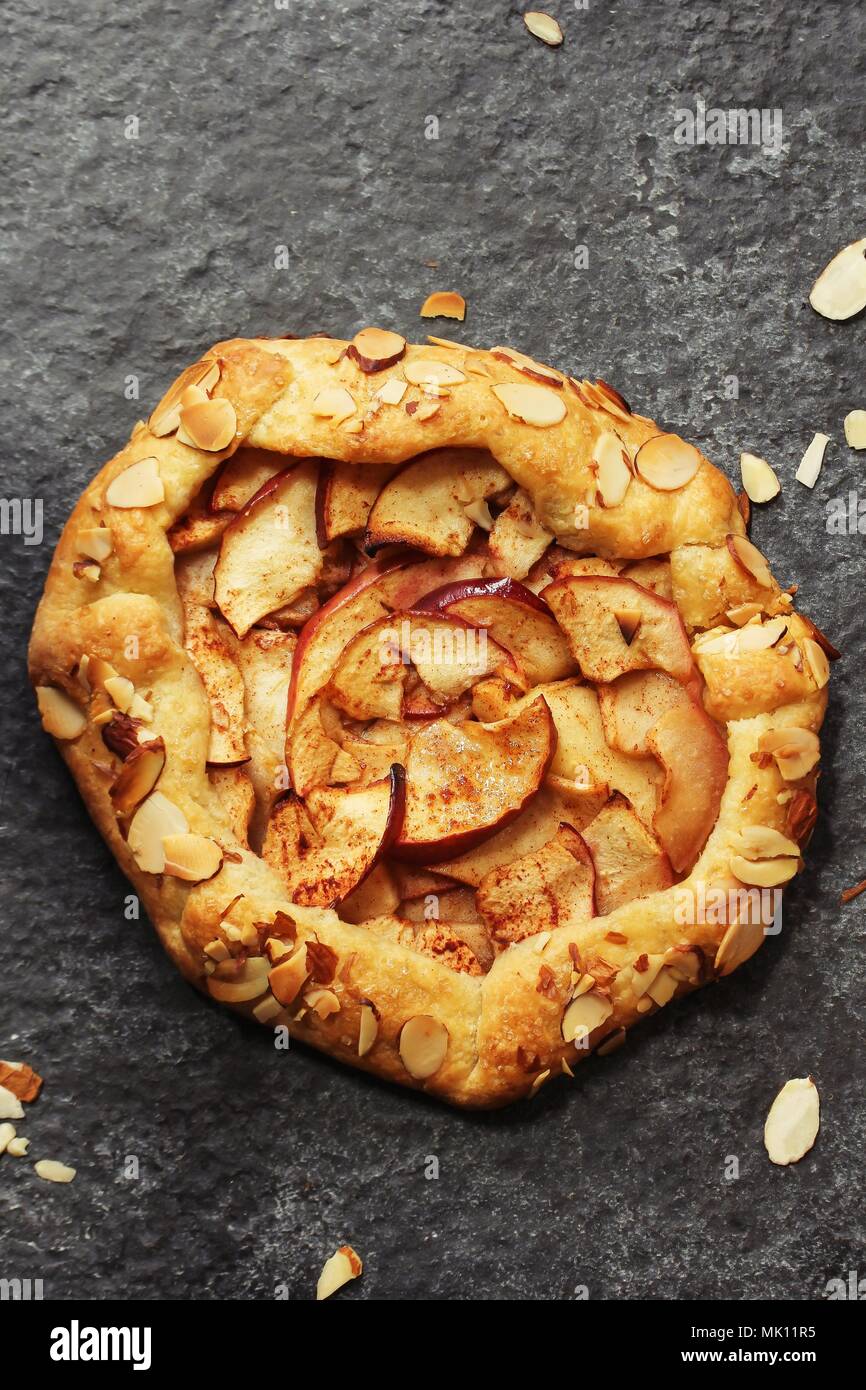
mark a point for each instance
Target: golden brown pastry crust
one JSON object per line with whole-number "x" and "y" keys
{"x": 505, "y": 1028}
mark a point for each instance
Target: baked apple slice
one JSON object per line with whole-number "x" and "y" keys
{"x": 269, "y": 553}
{"x": 242, "y": 476}
{"x": 695, "y": 760}
{"x": 425, "y": 504}
{"x": 466, "y": 781}
{"x": 212, "y": 648}
{"x": 377, "y": 896}
{"x": 633, "y": 704}
{"x": 345, "y": 494}
{"x": 515, "y": 617}
{"x": 615, "y": 625}
{"x": 518, "y": 539}
{"x": 554, "y": 887}
{"x": 312, "y": 746}
{"x": 265, "y": 660}
{"x": 629, "y": 861}
{"x": 357, "y": 826}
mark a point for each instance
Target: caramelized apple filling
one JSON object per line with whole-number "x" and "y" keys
{"x": 428, "y": 714}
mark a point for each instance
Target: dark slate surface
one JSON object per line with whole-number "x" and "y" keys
{"x": 305, "y": 127}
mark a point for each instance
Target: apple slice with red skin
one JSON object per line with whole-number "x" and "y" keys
{"x": 631, "y": 705}
{"x": 357, "y": 826}
{"x": 629, "y": 861}
{"x": 425, "y": 504}
{"x": 243, "y": 475}
{"x": 586, "y": 609}
{"x": 515, "y": 617}
{"x": 695, "y": 760}
{"x": 552, "y": 887}
{"x": 345, "y": 494}
{"x": 464, "y": 782}
{"x": 269, "y": 553}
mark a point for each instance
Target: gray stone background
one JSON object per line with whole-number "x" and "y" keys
{"x": 262, "y": 126}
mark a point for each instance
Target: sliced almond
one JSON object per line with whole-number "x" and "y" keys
{"x": 10, "y": 1106}
{"x": 191, "y": 857}
{"x": 368, "y": 1029}
{"x": 61, "y": 717}
{"x": 793, "y": 1122}
{"x": 763, "y": 873}
{"x": 743, "y": 613}
{"x": 247, "y": 982}
{"x": 7, "y": 1135}
{"x": 95, "y": 542}
{"x": 52, "y": 1171}
{"x": 155, "y": 818}
{"x": 208, "y": 425}
{"x": 426, "y": 410}
{"x": 423, "y": 1046}
{"x": 763, "y": 842}
{"x": 166, "y": 417}
{"x": 121, "y": 691}
{"x": 759, "y": 480}
{"x": 323, "y": 1002}
{"x": 267, "y": 1010}
{"x": 796, "y": 751}
{"x": 137, "y": 486}
{"x": 583, "y": 1015}
{"x": 333, "y": 403}
{"x": 739, "y": 944}
{"x": 543, "y": 26}
{"x": 612, "y": 470}
{"x": 663, "y": 987}
{"x": 444, "y": 304}
{"x": 479, "y": 512}
{"x": 17, "y": 1147}
{"x": 429, "y": 371}
{"x": 392, "y": 391}
{"x": 138, "y": 776}
{"x": 812, "y": 461}
{"x": 855, "y": 429}
{"x": 139, "y": 708}
{"x": 667, "y": 462}
{"x": 342, "y": 1267}
{"x": 754, "y": 637}
{"x": 87, "y": 569}
{"x": 532, "y": 405}
{"x": 289, "y": 976}
{"x": 376, "y": 349}
{"x": 840, "y": 290}
{"x": 750, "y": 560}
{"x": 816, "y": 660}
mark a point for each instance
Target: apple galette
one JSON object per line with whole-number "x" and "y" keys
{"x": 435, "y": 703}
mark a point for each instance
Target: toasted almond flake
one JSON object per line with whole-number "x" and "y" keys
{"x": 750, "y": 560}
{"x": 423, "y": 1046}
{"x": 739, "y": 944}
{"x": 247, "y": 982}
{"x": 137, "y": 777}
{"x": 543, "y": 27}
{"x": 193, "y": 395}
{"x": 530, "y": 404}
{"x": 87, "y": 569}
{"x": 375, "y": 349}
{"x": 767, "y": 873}
{"x": 796, "y": 751}
{"x": 10, "y": 1105}
{"x": 18, "y": 1146}
{"x": 121, "y": 691}
{"x": 538, "y": 1082}
{"x": 763, "y": 842}
{"x": 267, "y": 1010}
{"x": 95, "y": 542}
{"x": 759, "y": 480}
{"x": 583, "y": 1015}
{"x": 391, "y": 392}
{"x": 584, "y": 984}
{"x": 565, "y": 1068}
{"x": 342, "y": 1267}
{"x": 812, "y": 461}
{"x": 288, "y": 977}
{"x": 217, "y": 950}
{"x": 61, "y": 717}
{"x": 368, "y": 1029}
{"x": 479, "y": 512}
{"x": 427, "y": 409}
{"x": 191, "y": 857}
{"x": 429, "y": 371}
{"x": 139, "y": 485}
{"x": 743, "y": 613}
{"x": 644, "y": 1005}
{"x": 667, "y": 462}
{"x": 155, "y": 818}
{"x": 333, "y": 403}
{"x": 444, "y": 304}
{"x": 855, "y": 429}
{"x": 276, "y": 950}
{"x": 139, "y": 708}
{"x": 7, "y": 1135}
{"x": 612, "y": 470}
{"x": 840, "y": 290}
{"x": 816, "y": 661}
{"x": 323, "y": 1002}
{"x": 208, "y": 425}
{"x": 792, "y": 1125}
{"x": 52, "y": 1171}
{"x": 166, "y": 417}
